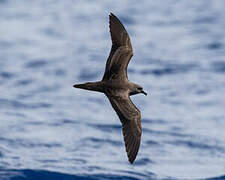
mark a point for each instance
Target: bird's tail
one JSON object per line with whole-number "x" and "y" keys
{"x": 91, "y": 86}
{"x": 81, "y": 86}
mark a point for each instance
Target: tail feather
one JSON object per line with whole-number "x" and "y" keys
{"x": 81, "y": 86}
{"x": 91, "y": 86}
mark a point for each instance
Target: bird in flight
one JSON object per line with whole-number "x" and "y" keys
{"x": 116, "y": 86}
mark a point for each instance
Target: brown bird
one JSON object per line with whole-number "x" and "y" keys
{"x": 116, "y": 86}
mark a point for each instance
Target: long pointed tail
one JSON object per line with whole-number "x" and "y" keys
{"x": 81, "y": 86}
{"x": 92, "y": 86}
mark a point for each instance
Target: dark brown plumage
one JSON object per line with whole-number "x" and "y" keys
{"x": 116, "y": 86}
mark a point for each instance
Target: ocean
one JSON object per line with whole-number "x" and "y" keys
{"x": 50, "y": 130}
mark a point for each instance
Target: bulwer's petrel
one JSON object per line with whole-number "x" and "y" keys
{"x": 116, "y": 86}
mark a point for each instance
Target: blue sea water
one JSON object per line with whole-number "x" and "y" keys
{"x": 49, "y": 130}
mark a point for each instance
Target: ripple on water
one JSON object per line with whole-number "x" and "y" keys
{"x": 38, "y": 63}
{"x": 107, "y": 127}
{"x": 165, "y": 133}
{"x": 96, "y": 100}
{"x": 60, "y": 72}
{"x": 24, "y": 82}
{"x": 143, "y": 161}
{"x": 219, "y": 66}
{"x": 87, "y": 74}
{"x": 1, "y": 154}
{"x": 27, "y": 143}
{"x": 5, "y": 44}
{"x": 154, "y": 121}
{"x": 44, "y": 174}
{"x": 214, "y": 46}
{"x": 5, "y": 103}
{"x": 62, "y": 122}
{"x": 134, "y": 174}
{"x": 6, "y": 75}
{"x": 201, "y": 146}
{"x": 169, "y": 69}
{"x": 205, "y": 19}
{"x": 52, "y": 32}
{"x": 152, "y": 143}
{"x": 97, "y": 142}
{"x": 128, "y": 20}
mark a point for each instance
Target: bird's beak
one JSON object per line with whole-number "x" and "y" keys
{"x": 144, "y": 93}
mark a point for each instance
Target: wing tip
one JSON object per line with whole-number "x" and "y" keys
{"x": 132, "y": 156}
{"x": 132, "y": 147}
{"x": 131, "y": 160}
{"x": 113, "y": 17}
{"x": 111, "y": 14}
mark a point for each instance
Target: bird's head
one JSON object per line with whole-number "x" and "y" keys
{"x": 136, "y": 89}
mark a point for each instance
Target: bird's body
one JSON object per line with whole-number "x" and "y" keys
{"x": 109, "y": 88}
{"x": 116, "y": 86}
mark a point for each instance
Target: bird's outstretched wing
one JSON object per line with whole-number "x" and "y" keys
{"x": 121, "y": 51}
{"x": 130, "y": 118}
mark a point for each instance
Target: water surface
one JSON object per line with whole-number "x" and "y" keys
{"x": 49, "y": 130}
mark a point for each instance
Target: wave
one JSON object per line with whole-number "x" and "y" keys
{"x": 27, "y": 174}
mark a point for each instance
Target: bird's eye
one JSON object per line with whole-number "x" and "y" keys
{"x": 140, "y": 88}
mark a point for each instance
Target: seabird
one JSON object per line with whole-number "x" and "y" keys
{"x": 116, "y": 86}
